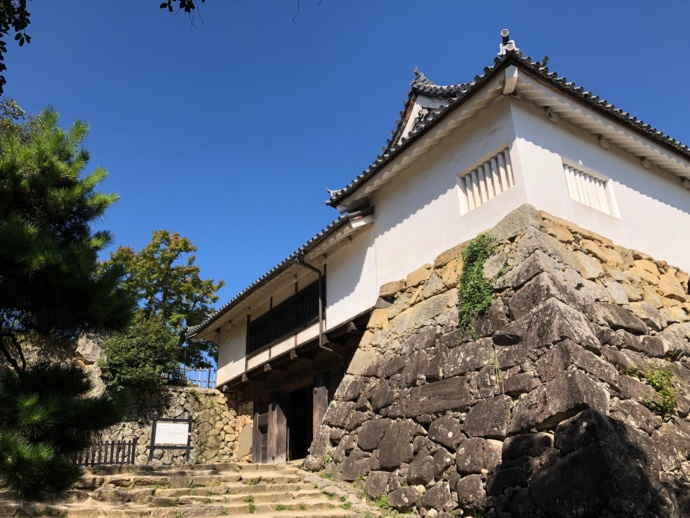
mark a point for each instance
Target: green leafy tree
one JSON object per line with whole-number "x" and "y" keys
{"x": 171, "y": 295}
{"x": 141, "y": 357}
{"x": 45, "y": 419}
{"x": 51, "y": 286}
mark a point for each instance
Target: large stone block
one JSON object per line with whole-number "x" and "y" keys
{"x": 526, "y": 445}
{"x": 567, "y": 354}
{"x": 424, "y": 312}
{"x": 372, "y": 432}
{"x": 382, "y": 396}
{"x": 516, "y": 222}
{"x": 365, "y": 362}
{"x": 532, "y": 266}
{"x": 538, "y": 290}
{"x": 415, "y": 368}
{"x": 447, "y": 431}
{"x": 620, "y": 318}
{"x": 421, "y": 470}
{"x": 551, "y": 322}
{"x": 489, "y": 418}
{"x": 377, "y": 484}
{"x": 476, "y": 455}
{"x": 396, "y": 446}
{"x": 447, "y": 394}
{"x": 403, "y": 498}
{"x": 557, "y": 400}
{"x": 471, "y": 494}
{"x": 438, "y": 497}
{"x": 468, "y": 357}
{"x": 355, "y": 466}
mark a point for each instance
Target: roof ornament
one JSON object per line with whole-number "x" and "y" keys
{"x": 333, "y": 192}
{"x": 507, "y": 45}
{"x": 420, "y": 78}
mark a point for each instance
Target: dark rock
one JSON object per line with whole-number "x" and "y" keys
{"x": 362, "y": 404}
{"x": 421, "y": 470}
{"x": 442, "y": 460}
{"x": 416, "y": 367}
{"x": 634, "y": 414}
{"x": 336, "y": 434}
{"x": 350, "y": 389}
{"x": 371, "y": 434}
{"x": 505, "y": 337}
{"x": 434, "y": 370}
{"x": 535, "y": 264}
{"x": 537, "y": 291}
{"x": 421, "y": 443}
{"x": 633, "y": 388}
{"x": 438, "y": 497}
{"x": 526, "y": 445}
{"x": 621, "y": 318}
{"x": 396, "y": 446}
{"x": 403, "y": 498}
{"x": 523, "y": 505}
{"x": 355, "y": 420}
{"x": 474, "y": 455}
{"x": 374, "y": 464}
{"x": 468, "y": 357}
{"x": 512, "y": 355}
{"x": 519, "y": 383}
{"x": 448, "y": 394}
{"x": 489, "y": 418}
{"x": 449, "y": 340}
{"x": 471, "y": 494}
{"x": 419, "y": 341}
{"x": 487, "y": 381}
{"x": 566, "y": 354}
{"x": 653, "y": 346}
{"x": 377, "y": 484}
{"x": 557, "y": 400}
{"x": 382, "y": 397}
{"x": 394, "y": 366}
{"x": 624, "y": 360}
{"x": 356, "y": 465}
{"x": 337, "y": 413}
{"x": 446, "y": 431}
{"x": 494, "y": 319}
{"x": 504, "y": 478}
{"x": 553, "y": 322}
{"x": 672, "y": 446}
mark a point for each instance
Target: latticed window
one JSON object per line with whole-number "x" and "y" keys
{"x": 486, "y": 181}
{"x": 288, "y": 318}
{"x": 587, "y": 189}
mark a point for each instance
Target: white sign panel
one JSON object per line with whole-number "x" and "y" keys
{"x": 172, "y": 433}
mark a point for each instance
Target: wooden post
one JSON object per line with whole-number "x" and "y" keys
{"x": 277, "y": 429}
{"x": 256, "y": 435}
{"x": 320, "y": 400}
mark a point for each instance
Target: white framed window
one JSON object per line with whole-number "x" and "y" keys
{"x": 493, "y": 176}
{"x": 589, "y": 188}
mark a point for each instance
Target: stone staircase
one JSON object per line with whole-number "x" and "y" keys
{"x": 212, "y": 490}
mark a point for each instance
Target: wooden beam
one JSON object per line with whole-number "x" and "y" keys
{"x": 293, "y": 355}
{"x": 245, "y": 378}
{"x": 352, "y": 328}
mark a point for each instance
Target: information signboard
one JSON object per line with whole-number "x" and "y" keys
{"x": 171, "y": 434}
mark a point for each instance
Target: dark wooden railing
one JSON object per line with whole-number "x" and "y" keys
{"x": 114, "y": 452}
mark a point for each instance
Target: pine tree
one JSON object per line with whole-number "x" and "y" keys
{"x": 51, "y": 288}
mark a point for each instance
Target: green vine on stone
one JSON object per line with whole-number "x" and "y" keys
{"x": 666, "y": 397}
{"x": 475, "y": 292}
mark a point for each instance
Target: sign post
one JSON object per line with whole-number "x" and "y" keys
{"x": 171, "y": 434}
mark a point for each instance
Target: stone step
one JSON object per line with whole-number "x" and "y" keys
{"x": 170, "y": 508}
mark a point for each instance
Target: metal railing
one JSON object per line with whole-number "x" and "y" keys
{"x": 202, "y": 378}
{"x": 114, "y": 452}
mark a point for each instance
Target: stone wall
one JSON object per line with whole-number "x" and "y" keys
{"x": 219, "y": 425}
{"x": 544, "y": 410}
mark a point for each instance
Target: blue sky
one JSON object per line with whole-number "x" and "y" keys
{"x": 230, "y": 131}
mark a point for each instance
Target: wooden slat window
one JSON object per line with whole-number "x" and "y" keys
{"x": 486, "y": 181}
{"x": 586, "y": 189}
{"x": 288, "y": 318}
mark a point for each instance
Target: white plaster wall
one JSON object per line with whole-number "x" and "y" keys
{"x": 418, "y": 213}
{"x": 654, "y": 207}
{"x": 351, "y": 283}
{"x": 231, "y": 348}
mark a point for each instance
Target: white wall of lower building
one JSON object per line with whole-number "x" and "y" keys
{"x": 418, "y": 213}
{"x": 654, "y": 208}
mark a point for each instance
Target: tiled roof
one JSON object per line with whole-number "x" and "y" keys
{"x": 299, "y": 253}
{"x": 456, "y": 94}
